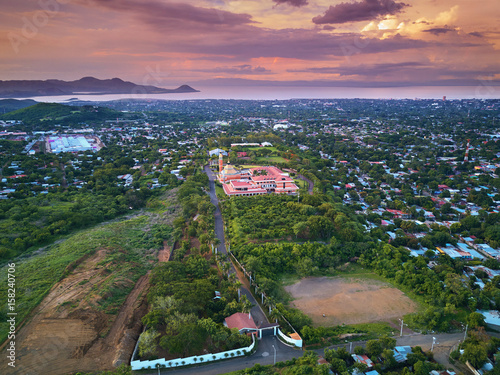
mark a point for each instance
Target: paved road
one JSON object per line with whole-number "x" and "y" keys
{"x": 264, "y": 356}
{"x": 311, "y": 184}
{"x": 265, "y": 353}
{"x": 258, "y": 315}
{"x": 444, "y": 344}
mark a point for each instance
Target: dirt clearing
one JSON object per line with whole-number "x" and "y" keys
{"x": 349, "y": 301}
{"x": 67, "y": 334}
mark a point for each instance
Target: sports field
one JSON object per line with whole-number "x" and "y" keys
{"x": 349, "y": 300}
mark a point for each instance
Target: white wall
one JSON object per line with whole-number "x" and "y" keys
{"x": 289, "y": 340}
{"x": 178, "y": 362}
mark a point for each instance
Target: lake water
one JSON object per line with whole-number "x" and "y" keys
{"x": 481, "y": 91}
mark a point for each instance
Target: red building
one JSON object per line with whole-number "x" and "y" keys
{"x": 256, "y": 181}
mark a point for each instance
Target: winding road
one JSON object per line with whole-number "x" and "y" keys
{"x": 270, "y": 349}
{"x": 258, "y": 315}
{"x": 311, "y": 184}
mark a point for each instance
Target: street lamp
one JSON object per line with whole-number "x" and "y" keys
{"x": 401, "y": 332}
{"x": 274, "y": 354}
{"x": 433, "y": 342}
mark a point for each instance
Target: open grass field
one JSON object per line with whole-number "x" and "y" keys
{"x": 349, "y": 300}
{"x": 253, "y": 148}
{"x": 301, "y": 183}
{"x": 250, "y": 166}
{"x": 271, "y": 159}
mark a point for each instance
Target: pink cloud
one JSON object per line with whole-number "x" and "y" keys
{"x": 363, "y": 11}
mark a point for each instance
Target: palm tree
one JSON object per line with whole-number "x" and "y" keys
{"x": 247, "y": 305}
{"x": 274, "y": 315}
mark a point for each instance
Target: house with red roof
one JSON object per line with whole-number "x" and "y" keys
{"x": 362, "y": 359}
{"x": 242, "y": 322}
{"x": 398, "y": 214}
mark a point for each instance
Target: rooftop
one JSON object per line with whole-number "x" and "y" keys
{"x": 240, "y": 321}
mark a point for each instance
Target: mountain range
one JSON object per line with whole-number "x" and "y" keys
{"x": 87, "y": 85}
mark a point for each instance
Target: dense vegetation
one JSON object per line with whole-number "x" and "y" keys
{"x": 185, "y": 318}
{"x": 280, "y": 216}
{"x": 46, "y": 115}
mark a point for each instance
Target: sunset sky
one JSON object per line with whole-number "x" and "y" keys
{"x": 361, "y": 43}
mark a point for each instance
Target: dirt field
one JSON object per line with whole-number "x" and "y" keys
{"x": 349, "y": 301}
{"x": 66, "y": 335}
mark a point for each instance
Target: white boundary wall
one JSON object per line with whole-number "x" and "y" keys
{"x": 179, "y": 362}
{"x": 289, "y": 340}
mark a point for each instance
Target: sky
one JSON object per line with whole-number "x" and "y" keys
{"x": 165, "y": 43}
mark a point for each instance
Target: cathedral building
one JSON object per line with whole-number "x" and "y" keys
{"x": 255, "y": 181}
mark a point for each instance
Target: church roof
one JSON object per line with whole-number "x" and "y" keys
{"x": 229, "y": 169}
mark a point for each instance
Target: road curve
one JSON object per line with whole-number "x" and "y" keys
{"x": 258, "y": 315}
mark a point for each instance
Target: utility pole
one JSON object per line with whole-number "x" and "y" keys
{"x": 274, "y": 354}
{"x": 465, "y": 334}
{"x": 401, "y": 333}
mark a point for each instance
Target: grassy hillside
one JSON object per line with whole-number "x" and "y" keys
{"x": 129, "y": 246}
{"x": 46, "y": 114}
{"x": 9, "y": 105}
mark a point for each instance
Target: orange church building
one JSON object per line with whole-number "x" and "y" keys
{"x": 255, "y": 181}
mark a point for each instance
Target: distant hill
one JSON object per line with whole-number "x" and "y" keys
{"x": 9, "y": 105}
{"x": 87, "y": 85}
{"x": 44, "y": 115}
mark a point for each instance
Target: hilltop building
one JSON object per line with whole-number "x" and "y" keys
{"x": 255, "y": 181}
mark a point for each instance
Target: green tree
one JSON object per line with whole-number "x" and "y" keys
{"x": 338, "y": 366}
{"x": 148, "y": 343}
{"x": 475, "y": 319}
{"x": 374, "y": 348}
{"x": 474, "y": 353}
{"x": 305, "y": 267}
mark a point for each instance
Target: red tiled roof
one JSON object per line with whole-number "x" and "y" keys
{"x": 230, "y": 190}
{"x": 240, "y": 321}
{"x": 242, "y": 184}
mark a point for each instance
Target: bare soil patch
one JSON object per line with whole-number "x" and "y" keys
{"x": 66, "y": 334}
{"x": 349, "y": 301}
{"x": 164, "y": 254}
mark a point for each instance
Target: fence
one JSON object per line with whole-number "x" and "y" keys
{"x": 295, "y": 342}
{"x": 179, "y": 362}
{"x": 263, "y": 296}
